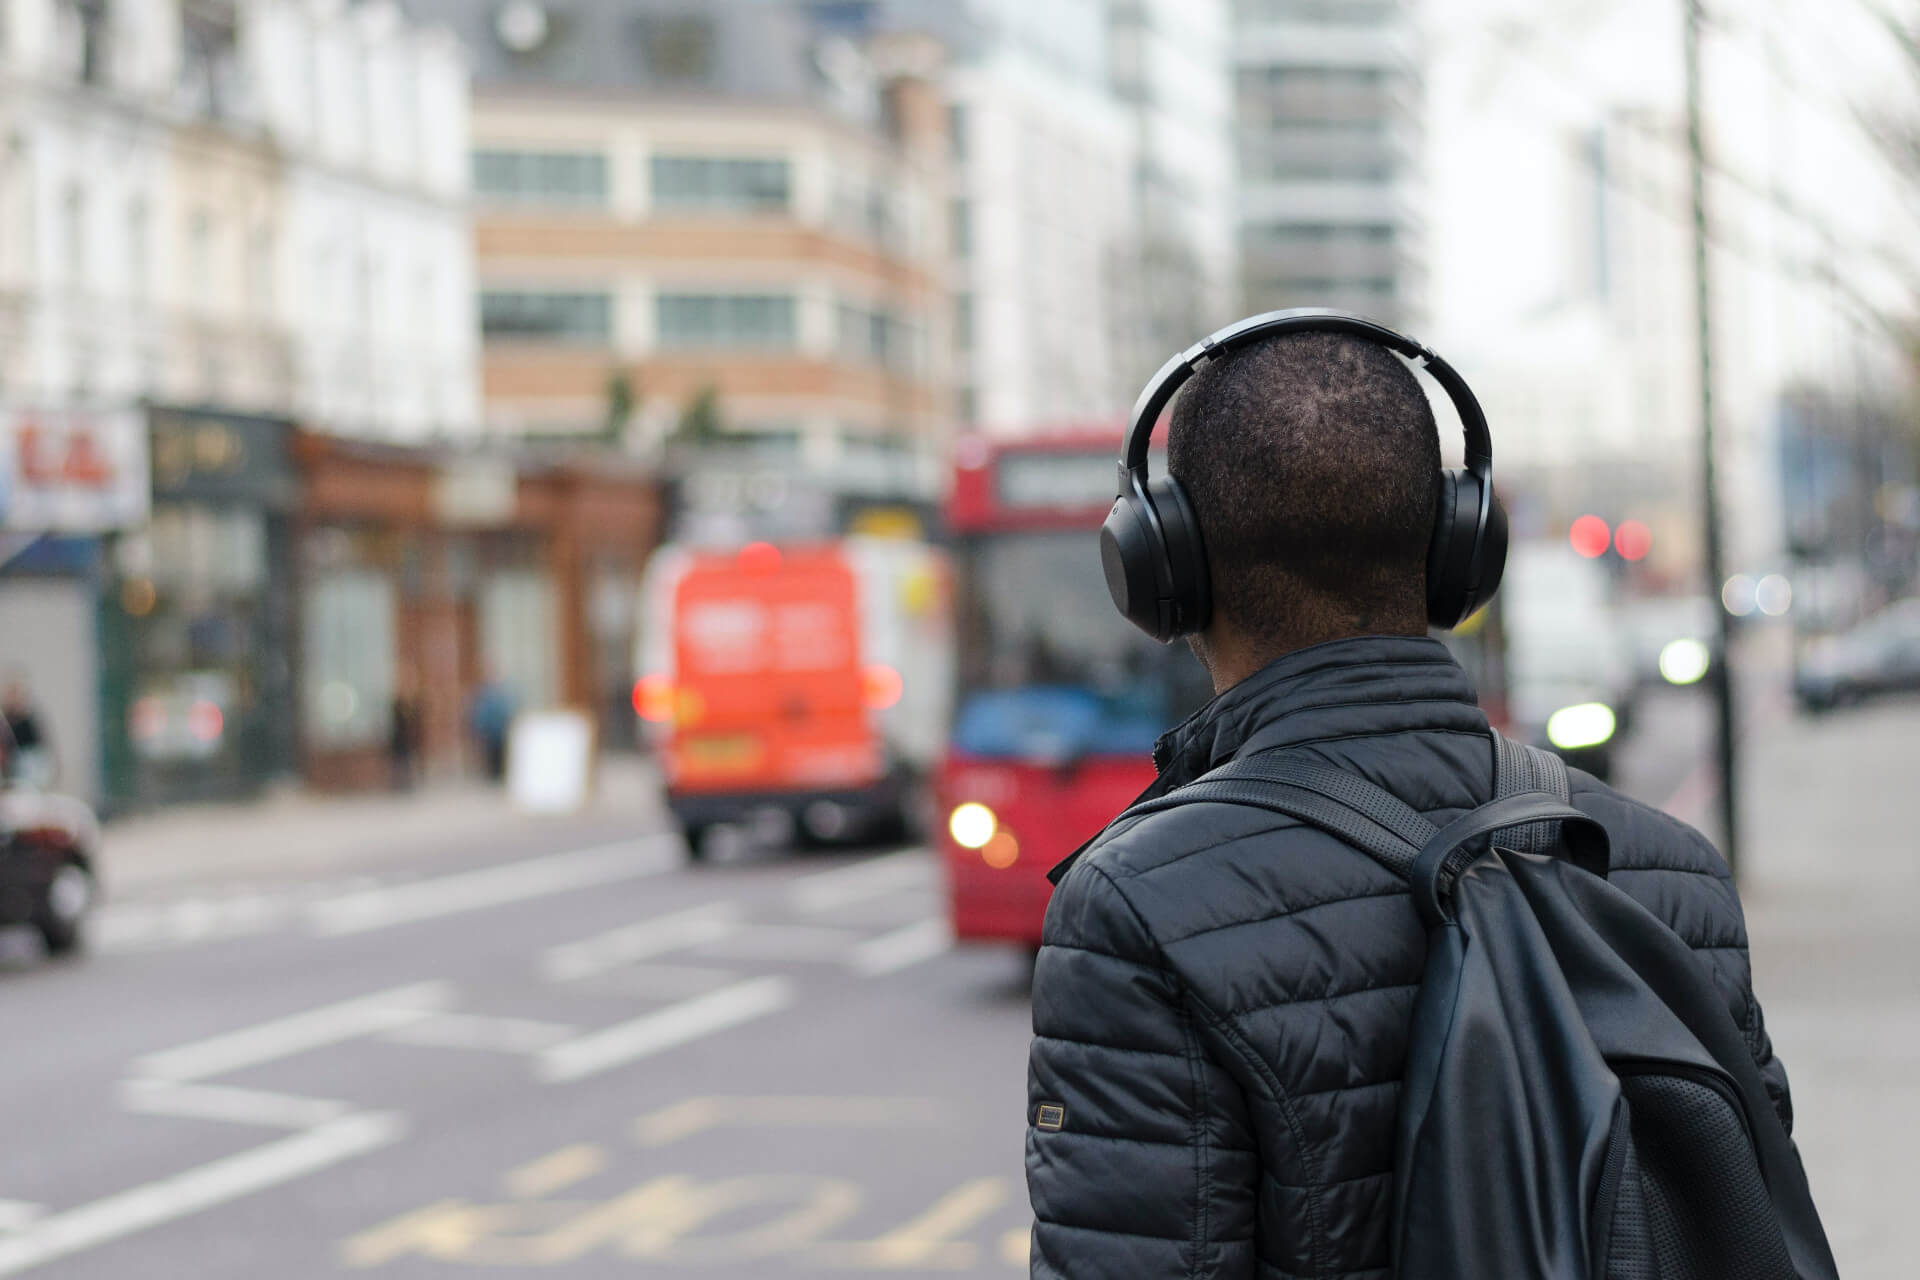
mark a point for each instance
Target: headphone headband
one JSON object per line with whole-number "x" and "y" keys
{"x": 1174, "y": 374}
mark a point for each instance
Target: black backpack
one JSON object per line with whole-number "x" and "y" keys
{"x": 1578, "y": 1103}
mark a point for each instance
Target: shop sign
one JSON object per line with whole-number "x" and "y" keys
{"x": 199, "y": 454}
{"x": 475, "y": 491}
{"x": 72, "y": 470}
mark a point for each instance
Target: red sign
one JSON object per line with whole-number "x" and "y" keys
{"x": 72, "y": 471}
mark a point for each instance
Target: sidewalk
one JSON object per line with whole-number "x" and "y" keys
{"x": 301, "y": 835}
{"x": 1831, "y": 882}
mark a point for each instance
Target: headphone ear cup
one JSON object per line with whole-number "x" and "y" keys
{"x": 1450, "y": 554}
{"x": 1192, "y": 588}
{"x": 1492, "y": 561}
{"x": 1130, "y": 559}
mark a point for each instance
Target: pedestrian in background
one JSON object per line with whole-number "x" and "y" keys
{"x": 28, "y": 751}
{"x": 490, "y": 716}
{"x": 403, "y": 733}
{"x": 1224, "y": 999}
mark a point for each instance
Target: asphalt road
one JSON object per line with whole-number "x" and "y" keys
{"x": 571, "y": 1055}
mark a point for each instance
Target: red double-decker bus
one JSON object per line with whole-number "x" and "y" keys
{"x": 1059, "y": 699}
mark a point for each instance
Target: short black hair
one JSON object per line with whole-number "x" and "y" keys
{"x": 1312, "y": 461}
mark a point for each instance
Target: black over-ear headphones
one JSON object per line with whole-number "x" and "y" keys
{"x": 1150, "y": 547}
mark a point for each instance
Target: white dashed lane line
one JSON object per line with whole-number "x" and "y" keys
{"x": 516, "y": 882}
{"x": 650, "y": 1033}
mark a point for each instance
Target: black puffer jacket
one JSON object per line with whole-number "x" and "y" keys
{"x": 1222, "y": 1002}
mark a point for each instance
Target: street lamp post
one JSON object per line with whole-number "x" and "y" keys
{"x": 1726, "y": 740}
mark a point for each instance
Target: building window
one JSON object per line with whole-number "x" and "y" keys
{"x": 1319, "y": 234}
{"x": 348, "y": 658}
{"x": 1326, "y": 12}
{"x": 727, "y": 320}
{"x": 957, "y": 120}
{"x": 715, "y": 182}
{"x": 876, "y": 336}
{"x": 200, "y": 258}
{"x": 963, "y": 321}
{"x": 961, "y": 218}
{"x": 73, "y": 214}
{"x": 540, "y": 177}
{"x": 260, "y": 271}
{"x": 209, "y": 56}
{"x": 546, "y": 316}
{"x": 138, "y": 285}
{"x": 90, "y": 17}
{"x": 1295, "y": 95}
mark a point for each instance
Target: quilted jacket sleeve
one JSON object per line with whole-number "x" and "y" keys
{"x": 1139, "y": 1159}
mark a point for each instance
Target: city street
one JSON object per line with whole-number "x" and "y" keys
{"x": 497, "y": 1045}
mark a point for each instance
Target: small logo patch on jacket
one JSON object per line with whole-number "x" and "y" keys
{"x": 1050, "y": 1116}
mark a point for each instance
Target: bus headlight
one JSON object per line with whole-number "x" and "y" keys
{"x": 1685, "y": 661}
{"x": 972, "y": 825}
{"x": 1586, "y": 725}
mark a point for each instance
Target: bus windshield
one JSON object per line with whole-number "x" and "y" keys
{"x": 1048, "y": 671}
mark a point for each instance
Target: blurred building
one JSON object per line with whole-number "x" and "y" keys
{"x": 1093, "y": 211}
{"x": 1328, "y": 103}
{"x": 1172, "y": 68}
{"x": 255, "y": 205}
{"x": 430, "y": 573}
{"x": 716, "y": 225}
{"x": 217, "y": 217}
{"x": 1045, "y": 230}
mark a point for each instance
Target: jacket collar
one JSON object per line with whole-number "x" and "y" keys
{"x": 1341, "y": 689}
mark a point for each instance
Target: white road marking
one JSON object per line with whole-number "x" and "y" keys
{"x": 195, "y": 1190}
{"x": 876, "y": 877}
{"x": 229, "y": 1103}
{"x": 662, "y": 1029}
{"x": 901, "y": 949}
{"x": 495, "y": 886}
{"x": 477, "y": 1031}
{"x": 592, "y": 956}
{"x": 284, "y": 1037}
{"x": 16, "y": 1215}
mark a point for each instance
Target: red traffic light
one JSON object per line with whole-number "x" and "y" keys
{"x": 1633, "y": 540}
{"x": 1590, "y": 536}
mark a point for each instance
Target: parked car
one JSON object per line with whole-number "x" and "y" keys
{"x": 48, "y": 843}
{"x": 1878, "y": 655}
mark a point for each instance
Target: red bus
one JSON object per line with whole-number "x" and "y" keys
{"x": 1059, "y": 700}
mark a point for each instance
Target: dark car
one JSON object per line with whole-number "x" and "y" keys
{"x": 1878, "y": 655}
{"x": 47, "y": 869}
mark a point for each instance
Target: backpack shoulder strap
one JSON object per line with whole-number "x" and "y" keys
{"x": 1381, "y": 825}
{"x": 1519, "y": 768}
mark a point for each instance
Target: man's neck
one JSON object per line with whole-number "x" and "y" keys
{"x": 1231, "y": 655}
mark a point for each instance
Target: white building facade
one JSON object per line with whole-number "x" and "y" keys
{"x": 1172, "y": 68}
{"x": 1048, "y": 301}
{"x": 1329, "y": 109}
{"x": 252, "y": 205}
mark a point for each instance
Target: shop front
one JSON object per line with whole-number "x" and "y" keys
{"x": 70, "y": 481}
{"x": 202, "y": 608}
{"x": 436, "y": 584}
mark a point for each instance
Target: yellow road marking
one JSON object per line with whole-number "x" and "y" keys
{"x": 1016, "y": 1247}
{"x": 697, "y": 1115}
{"x": 443, "y": 1230}
{"x": 928, "y": 1240}
{"x": 555, "y": 1172}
